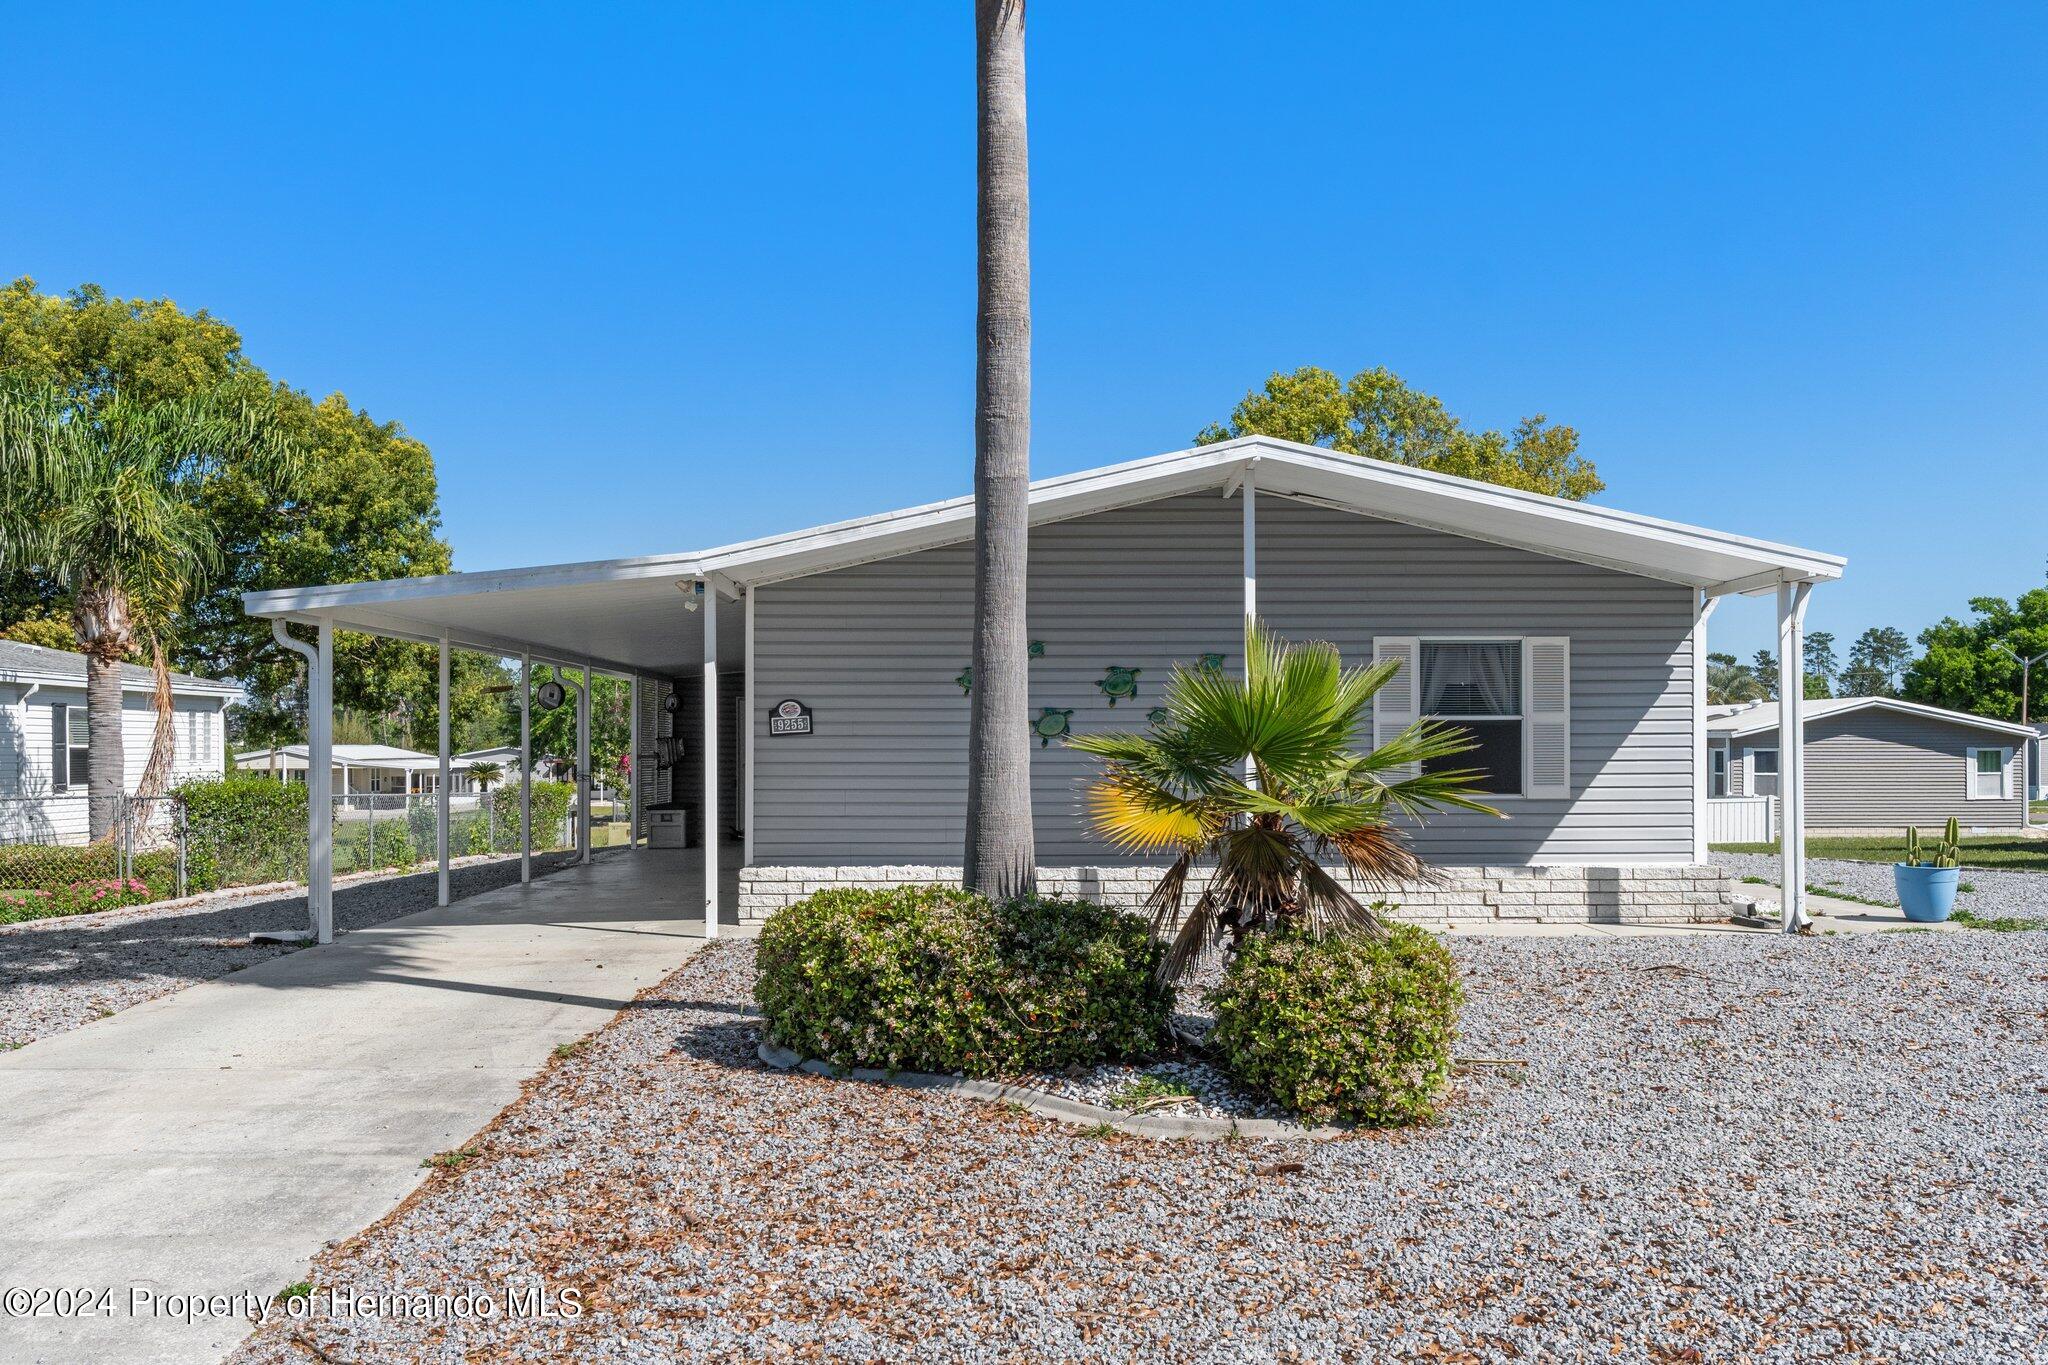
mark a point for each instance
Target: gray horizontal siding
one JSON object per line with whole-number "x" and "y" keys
{"x": 1867, "y": 769}
{"x": 874, "y": 649}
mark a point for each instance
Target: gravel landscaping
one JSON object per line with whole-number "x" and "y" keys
{"x": 1723, "y": 1146}
{"x": 1982, "y": 891}
{"x": 56, "y": 974}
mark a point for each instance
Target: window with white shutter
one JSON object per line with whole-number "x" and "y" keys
{"x": 1396, "y": 706}
{"x": 1990, "y": 773}
{"x": 1547, "y": 701}
{"x": 1477, "y": 686}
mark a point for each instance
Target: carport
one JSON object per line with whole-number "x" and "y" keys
{"x": 648, "y": 620}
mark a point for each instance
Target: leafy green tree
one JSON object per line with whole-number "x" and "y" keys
{"x": 1820, "y": 666}
{"x": 1764, "y": 664}
{"x": 370, "y": 509}
{"x": 1730, "y": 682}
{"x": 40, "y": 627}
{"x": 1378, "y": 416}
{"x": 1876, "y": 661}
{"x": 1181, "y": 789}
{"x": 611, "y": 724}
{"x": 104, "y": 494}
{"x": 1959, "y": 668}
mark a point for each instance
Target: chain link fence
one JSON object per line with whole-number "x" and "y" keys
{"x": 167, "y": 846}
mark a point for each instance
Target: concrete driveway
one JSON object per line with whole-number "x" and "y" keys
{"x": 212, "y": 1141}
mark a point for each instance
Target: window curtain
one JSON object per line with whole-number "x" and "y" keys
{"x": 1472, "y": 679}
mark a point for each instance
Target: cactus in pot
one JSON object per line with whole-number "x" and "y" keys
{"x": 1926, "y": 881}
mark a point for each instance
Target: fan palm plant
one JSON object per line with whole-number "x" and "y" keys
{"x": 102, "y": 495}
{"x": 1257, "y": 776}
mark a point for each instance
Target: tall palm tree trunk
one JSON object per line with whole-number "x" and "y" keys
{"x": 101, "y": 620}
{"x": 1001, "y": 859}
{"x": 104, "y": 761}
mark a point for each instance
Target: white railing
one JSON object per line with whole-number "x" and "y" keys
{"x": 1742, "y": 819}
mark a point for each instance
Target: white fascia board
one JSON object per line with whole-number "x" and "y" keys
{"x": 480, "y": 642}
{"x": 233, "y": 693}
{"x": 1898, "y": 704}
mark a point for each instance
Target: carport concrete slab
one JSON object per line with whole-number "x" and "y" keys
{"x": 214, "y": 1140}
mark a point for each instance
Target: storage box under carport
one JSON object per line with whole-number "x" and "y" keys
{"x": 674, "y": 824}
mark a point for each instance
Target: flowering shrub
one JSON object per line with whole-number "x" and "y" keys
{"x": 77, "y": 898}
{"x": 933, "y": 978}
{"x": 1341, "y": 1027}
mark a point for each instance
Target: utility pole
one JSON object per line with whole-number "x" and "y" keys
{"x": 2026, "y": 691}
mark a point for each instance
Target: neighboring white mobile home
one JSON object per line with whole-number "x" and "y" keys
{"x": 44, "y": 746}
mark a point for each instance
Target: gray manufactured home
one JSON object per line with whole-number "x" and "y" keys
{"x": 1879, "y": 763}
{"x": 1568, "y": 638}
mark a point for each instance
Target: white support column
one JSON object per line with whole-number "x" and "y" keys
{"x": 319, "y": 774}
{"x": 1250, "y": 493}
{"x": 1792, "y": 753}
{"x": 746, "y": 737}
{"x": 583, "y": 767}
{"x": 1703, "y": 610}
{"x": 441, "y": 791}
{"x": 710, "y": 821}
{"x": 633, "y": 765}
{"x": 525, "y": 768}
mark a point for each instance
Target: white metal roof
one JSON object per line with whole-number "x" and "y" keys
{"x": 603, "y": 610}
{"x": 355, "y": 755}
{"x": 1762, "y": 716}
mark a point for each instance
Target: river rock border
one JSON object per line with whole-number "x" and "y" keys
{"x": 1161, "y": 1127}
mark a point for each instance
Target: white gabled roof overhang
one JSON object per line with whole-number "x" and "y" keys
{"x": 1764, "y": 716}
{"x": 599, "y": 610}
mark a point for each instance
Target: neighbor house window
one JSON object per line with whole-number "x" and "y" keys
{"x": 1763, "y": 772}
{"x": 1477, "y": 684}
{"x": 1987, "y": 774}
{"x": 1717, "y": 771}
{"x": 70, "y": 748}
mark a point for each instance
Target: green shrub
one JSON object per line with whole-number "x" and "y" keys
{"x": 498, "y": 816}
{"x": 1344, "y": 1027}
{"x": 242, "y": 829}
{"x": 933, "y": 978}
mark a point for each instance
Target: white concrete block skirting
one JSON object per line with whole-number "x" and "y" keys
{"x": 1645, "y": 894}
{"x": 1167, "y": 1127}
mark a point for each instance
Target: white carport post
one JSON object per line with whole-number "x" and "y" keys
{"x": 319, "y": 773}
{"x": 583, "y": 766}
{"x": 1703, "y": 610}
{"x": 1792, "y": 754}
{"x": 633, "y": 764}
{"x": 710, "y": 821}
{"x": 441, "y": 791}
{"x": 525, "y": 767}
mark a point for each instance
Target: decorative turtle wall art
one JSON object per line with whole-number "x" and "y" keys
{"x": 1157, "y": 715}
{"x": 1052, "y": 724}
{"x": 1119, "y": 682}
{"x": 1213, "y": 662}
{"x": 966, "y": 680}
{"x": 1036, "y": 651}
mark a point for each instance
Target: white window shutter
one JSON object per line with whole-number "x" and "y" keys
{"x": 2005, "y": 773}
{"x": 1397, "y": 705}
{"x": 1547, "y": 702}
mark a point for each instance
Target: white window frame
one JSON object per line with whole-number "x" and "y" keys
{"x": 1521, "y": 644}
{"x": 1776, "y": 774}
{"x": 1971, "y": 773}
{"x": 1717, "y": 770}
{"x": 61, "y": 779}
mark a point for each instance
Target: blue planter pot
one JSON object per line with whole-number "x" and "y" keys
{"x": 1926, "y": 894}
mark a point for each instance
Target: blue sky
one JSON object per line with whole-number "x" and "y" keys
{"x": 653, "y": 277}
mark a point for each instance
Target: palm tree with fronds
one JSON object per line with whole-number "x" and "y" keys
{"x": 102, "y": 495}
{"x": 1288, "y": 725}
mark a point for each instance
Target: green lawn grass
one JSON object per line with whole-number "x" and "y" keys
{"x": 1979, "y": 850}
